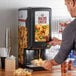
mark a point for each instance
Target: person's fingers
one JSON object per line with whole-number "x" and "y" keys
{"x": 47, "y": 65}
{"x": 54, "y": 38}
{"x": 48, "y": 68}
{"x": 53, "y": 43}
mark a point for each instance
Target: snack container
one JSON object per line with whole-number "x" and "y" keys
{"x": 10, "y": 64}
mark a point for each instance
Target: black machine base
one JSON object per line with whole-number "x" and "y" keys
{"x": 35, "y": 68}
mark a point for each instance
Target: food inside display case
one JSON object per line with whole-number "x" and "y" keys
{"x": 41, "y": 33}
{"x": 22, "y": 36}
{"x": 22, "y": 42}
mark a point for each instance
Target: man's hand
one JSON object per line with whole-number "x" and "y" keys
{"x": 55, "y": 41}
{"x": 47, "y": 65}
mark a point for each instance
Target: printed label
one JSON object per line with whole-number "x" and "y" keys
{"x": 41, "y": 26}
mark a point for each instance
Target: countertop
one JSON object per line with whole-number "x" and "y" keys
{"x": 42, "y": 73}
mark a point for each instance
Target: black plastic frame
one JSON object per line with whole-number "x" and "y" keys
{"x": 39, "y": 44}
{"x": 30, "y": 24}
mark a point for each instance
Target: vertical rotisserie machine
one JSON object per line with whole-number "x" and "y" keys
{"x": 34, "y": 32}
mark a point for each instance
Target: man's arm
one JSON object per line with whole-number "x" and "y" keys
{"x": 66, "y": 46}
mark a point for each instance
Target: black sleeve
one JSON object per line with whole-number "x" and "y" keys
{"x": 66, "y": 45}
